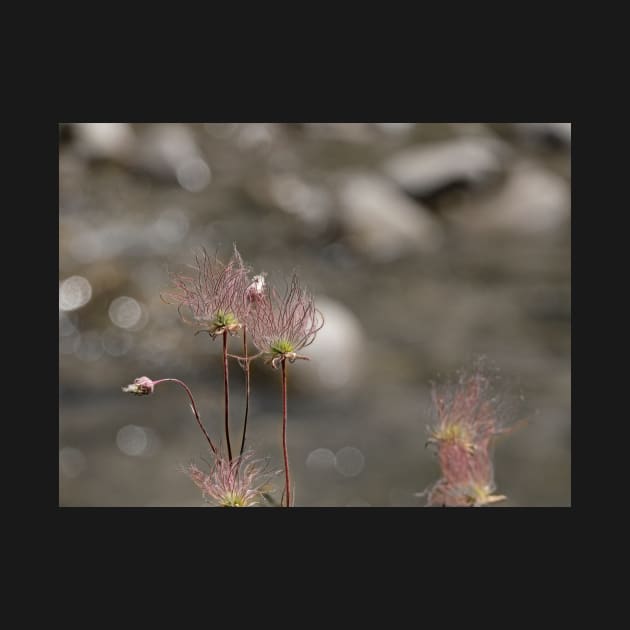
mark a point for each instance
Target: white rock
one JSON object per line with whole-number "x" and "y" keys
{"x": 104, "y": 140}
{"x": 383, "y": 222}
{"x": 309, "y": 203}
{"x": 396, "y": 129}
{"x": 336, "y": 355}
{"x": 359, "y": 133}
{"x": 256, "y": 136}
{"x": 425, "y": 169}
{"x": 166, "y": 147}
{"x": 538, "y": 131}
{"x": 531, "y": 201}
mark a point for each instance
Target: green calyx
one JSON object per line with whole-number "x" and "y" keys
{"x": 232, "y": 499}
{"x": 282, "y": 346}
{"x": 224, "y": 319}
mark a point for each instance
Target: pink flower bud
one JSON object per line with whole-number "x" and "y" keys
{"x": 142, "y": 386}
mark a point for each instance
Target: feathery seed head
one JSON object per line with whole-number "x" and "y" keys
{"x": 214, "y": 295}
{"x": 282, "y": 325}
{"x": 236, "y": 483}
{"x": 467, "y": 420}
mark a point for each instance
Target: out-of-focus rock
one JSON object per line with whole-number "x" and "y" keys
{"x": 170, "y": 144}
{"x": 166, "y": 152}
{"x": 360, "y": 133}
{"x": 549, "y": 133}
{"x": 382, "y": 222}
{"x": 310, "y": 203}
{"x": 396, "y": 129}
{"x": 221, "y": 130}
{"x": 337, "y": 354}
{"x": 425, "y": 170}
{"x": 170, "y": 152}
{"x": 257, "y": 136}
{"x": 532, "y": 200}
{"x": 111, "y": 141}
{"x": 468, "y": 129}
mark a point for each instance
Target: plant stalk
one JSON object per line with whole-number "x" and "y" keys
{"x": 287, "y": 488}
{"x": 246, "y": 389}
{"x": 193, "y": 405}
{"x": 226, "y": 388}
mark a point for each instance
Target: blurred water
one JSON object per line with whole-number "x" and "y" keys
{"x": 491, "y": 276}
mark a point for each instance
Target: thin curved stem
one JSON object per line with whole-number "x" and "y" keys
{"x": 193, "y": 405}
{"x": 246, "y": 389}
{"x": 226, "y": 388}
{"x": 287, "y": 487}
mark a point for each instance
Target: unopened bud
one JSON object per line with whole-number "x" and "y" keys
{"x": 142, "y": 386}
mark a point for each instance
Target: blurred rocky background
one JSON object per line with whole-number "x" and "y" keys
{"x": 426, "y": 245}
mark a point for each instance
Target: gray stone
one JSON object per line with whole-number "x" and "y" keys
{"x": 167, "y": 152}
{"x": 113, "y": 141}
{"x": 427, "y": 169}
{"x": 170, "y": 152}
{"x": 553, "y": 133}
{"x": 337, "y": 354}
{"x": 396, "y": 129}
{"x": 360, "y": 133}
{"x": 309, "y": 203}
{"x": 382, "y": 222}
{"x": 532, "y": 200}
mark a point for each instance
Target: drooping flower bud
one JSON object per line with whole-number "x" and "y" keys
{"x": 142, "y": 386}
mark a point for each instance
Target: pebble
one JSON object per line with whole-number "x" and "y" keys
{"x": 382, "y": 222}
{"x": 427, "y": 169}
{"x": 311, "y": 204}
{"x": 336, "y": 355}
{"x": 113, "y": 141}
{"x": 531, "y": 201}
{"x": 170, "y": 152}
{"x": 550, "y": 133}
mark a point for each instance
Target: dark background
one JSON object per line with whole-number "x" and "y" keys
{"x": 426, "y": 245}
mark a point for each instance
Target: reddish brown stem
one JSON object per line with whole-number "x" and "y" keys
{"x": 226, "y": 388}
{"x": 246, "y": 388}
{"x": 287, "y": 487}
{"x": 193, "y": 405}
